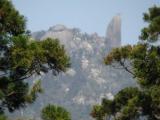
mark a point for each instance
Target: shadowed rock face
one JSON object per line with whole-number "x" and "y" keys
{"x": 88, "y": 80}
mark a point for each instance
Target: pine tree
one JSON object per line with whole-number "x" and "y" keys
{"x": 53, "y": 112}
{"x": 22, "y": 57}
{"x": 143, "y": 62}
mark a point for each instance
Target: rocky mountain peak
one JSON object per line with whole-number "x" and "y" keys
{"x": 113, "y": 33}
{"x": 58, "y": 27}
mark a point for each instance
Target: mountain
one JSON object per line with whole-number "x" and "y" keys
{"x": 88, "y": 80}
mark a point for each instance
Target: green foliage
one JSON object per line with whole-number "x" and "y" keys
{"x": 97, "y": 112}
{"x": 12, "y": 94}
{"x": 52, "y": 112}
{"x": 55, "y": 54}
{"x": 117, "y": 54}
{"x": 11, "y": 23}
{"x": 32, "y": 94}
{"x": 3, "y": 117}
{"x": 21, "y": 57}
{"x": 143, "y": 62}
{"x": 151, "y": 33}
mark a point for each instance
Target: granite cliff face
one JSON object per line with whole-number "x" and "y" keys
{"x": 88, "y": 80}
{"x": 113, "y": 33}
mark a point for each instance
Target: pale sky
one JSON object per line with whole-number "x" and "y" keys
{"x": 88, "y": 15}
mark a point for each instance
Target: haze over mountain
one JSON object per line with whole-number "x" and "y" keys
{"x": 88, "y": 80}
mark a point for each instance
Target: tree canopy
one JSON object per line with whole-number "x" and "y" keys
{"x": 21, "y": 57}
{"x": 143, "y": 62}
{"x": 53, "y": 112}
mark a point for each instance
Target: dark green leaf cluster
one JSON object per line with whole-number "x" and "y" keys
{"x": 52, "y": 112}
{"x": 151, "y": 33}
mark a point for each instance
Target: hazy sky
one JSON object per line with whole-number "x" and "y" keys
{"x": 88, "y": 15}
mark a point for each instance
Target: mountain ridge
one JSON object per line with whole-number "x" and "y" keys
{"x": 88, "y": 80}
